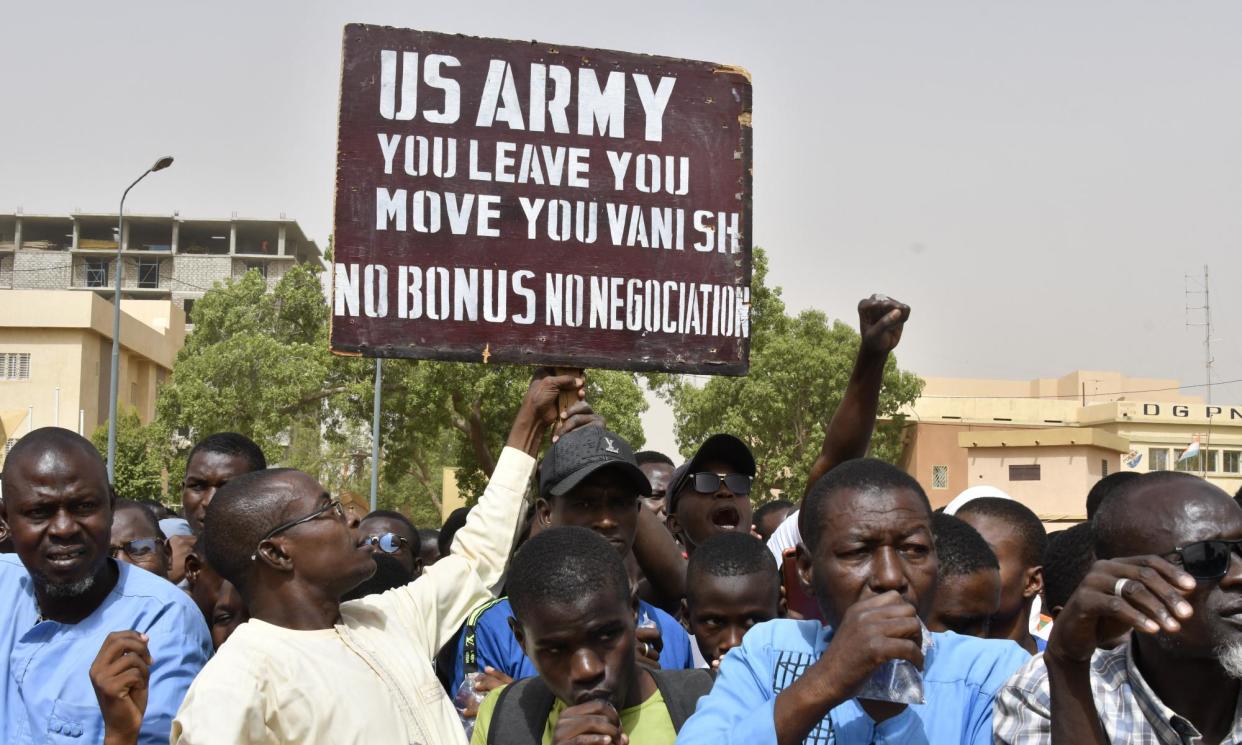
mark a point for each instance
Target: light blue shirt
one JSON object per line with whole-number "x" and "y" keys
{"x": 961, "y": 676}
{"x": 45, "y": 665}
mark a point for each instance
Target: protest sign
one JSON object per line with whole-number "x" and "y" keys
{"x": 524, "y": 202}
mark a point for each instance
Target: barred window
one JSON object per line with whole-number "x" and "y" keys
{"x": 940, "y": 477}
{"x": 148, "y": 274}
{"x": 96, "y": 273}
{"x": 14, "y": 365}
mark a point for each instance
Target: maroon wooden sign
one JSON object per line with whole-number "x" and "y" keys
{"x": 522, "y": 202}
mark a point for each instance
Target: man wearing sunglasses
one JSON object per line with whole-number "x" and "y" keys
{"x": 285, "y": 545}
{"x": 393, "y": 535}
{"x": 1169, "y": 576}
{"x": 710, "y": 493}
{"x": 137, "y": 539}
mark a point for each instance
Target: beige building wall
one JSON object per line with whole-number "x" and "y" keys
{"x": 68, "y": 336}
{"x": 969, "y": 431}
{"x": 1067, "y": 473}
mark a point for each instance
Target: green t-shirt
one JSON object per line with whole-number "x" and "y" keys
{"x": 646, "y": 724}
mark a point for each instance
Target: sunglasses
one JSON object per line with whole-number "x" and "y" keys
{"x": 332, "y": 506}
{"x": 136, "y": 549}
{"x": 709, "y": 483}
{"x": 389, "y": 543}
{"x": 1208, "y": 559}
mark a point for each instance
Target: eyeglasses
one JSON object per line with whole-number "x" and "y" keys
{"x": 333, "y": 505}
{"x": 389, "y": 543}
{"x": 1208, "y": 559}
{"x": 709, "y": 483}
{"x": 136, "y": 549}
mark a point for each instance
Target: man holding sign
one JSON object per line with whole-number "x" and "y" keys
{"x": 283, "y": 542}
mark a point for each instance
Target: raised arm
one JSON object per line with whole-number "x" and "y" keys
{"x": 435, "y": 605}
{"x": 661, "y": 560}
{"x": 880, "y": 323}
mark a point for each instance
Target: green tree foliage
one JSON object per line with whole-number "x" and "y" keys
{"x": 142, "y": 455}
{"x": 258, "y": 363}
{"x": 799, "y": 368}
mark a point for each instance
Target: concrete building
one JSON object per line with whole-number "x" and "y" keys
{"x": 56, "y": 353}
{"x": 164, "y": 257}
{"x": 1047, "y": 441}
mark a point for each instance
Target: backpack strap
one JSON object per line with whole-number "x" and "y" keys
{"x": 681, "y": 690}
{"x": 470, "y": 648}
{"x": 521, "y": 713}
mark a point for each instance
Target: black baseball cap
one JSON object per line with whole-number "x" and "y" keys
{"x": 721, "y": 447}
{"x": 582, "y": 452}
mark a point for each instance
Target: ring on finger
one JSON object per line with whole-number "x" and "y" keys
{"x": 1119, "y": 588}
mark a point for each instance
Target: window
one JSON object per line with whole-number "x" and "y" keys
{"x": 1233, "y": 459}
{"x": 8, "y": 445}
{"x": 148, "y": 274}
{"x": 1157, "y": 459}
{"x": 189, "y": 312}
{"x": 940, "y": 477}
{"x": 15, "y": 366}
{"x": 259, "y": 267}
{"x": 1024, "y": 473}
{"x": 96, "y": 272}
{"x": 1104, "y": 468}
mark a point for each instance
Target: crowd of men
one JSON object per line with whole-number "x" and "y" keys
{"x": 598, "y": 595}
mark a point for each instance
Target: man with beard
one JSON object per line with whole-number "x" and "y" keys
{"x": 868, "y": 556}
{"x": 64, "y": 599}
{"x": 285, "y": 545}
{"x": 1169, "y": 576}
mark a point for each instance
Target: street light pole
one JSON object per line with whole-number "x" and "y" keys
{"x": 160, "y": 165}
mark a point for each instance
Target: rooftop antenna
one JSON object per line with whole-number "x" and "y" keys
{"x": 1195, "y": 288}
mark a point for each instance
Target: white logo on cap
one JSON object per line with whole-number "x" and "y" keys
{"x": 610, "y": 446}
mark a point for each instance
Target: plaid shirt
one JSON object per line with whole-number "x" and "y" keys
{"x": 1128, "y": 708}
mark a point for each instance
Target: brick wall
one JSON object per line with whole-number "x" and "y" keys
{"x": 194, "y": 275}
{"x": 41, "y": 270}
{"x": 275, "y": 270}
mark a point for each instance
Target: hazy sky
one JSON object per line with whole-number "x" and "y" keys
{"x": 1035, "y": 179}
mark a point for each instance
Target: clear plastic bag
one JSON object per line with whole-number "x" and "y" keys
{"x": 468, "y": 698}
{"x": 898, "y": 681}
